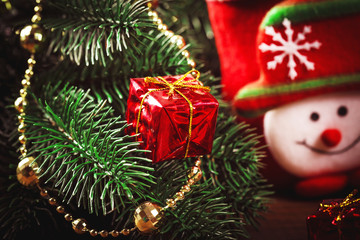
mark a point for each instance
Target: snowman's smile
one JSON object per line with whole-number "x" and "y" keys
{"x": 322, "y": 151}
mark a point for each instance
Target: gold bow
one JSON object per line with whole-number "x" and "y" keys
{"x": 174, "y": 87}
{"x": 346, "y": 202}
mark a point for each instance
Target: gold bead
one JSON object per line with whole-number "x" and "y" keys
{"x": 171, "y": 203}
{"x": 185, "y": 53}
{"x": 23, "y": 150}
{"x": 36, "y": 18}
{"x": 180, "y": 196}
{"x": 21, "y": 127}
{"x": 162, "y": 27}
{"x": 174, "y": 38}
{"x": 79, "y": 225}
{"x": 185, "y": 188}
{"x": 198, "y": 162}
{"x": 180, "y": 42}
{"x": 104, "y": 233}
{"x": 21, "y": 118}
{"x": 38, "y": 8}
{"x": 23, "y": 92}
{"x": 169, "y": 33}
{"x": 93, "y": 232}
{"x": 158, "y": 21}
{"x": 195, "y": 174}
{"x": 60, "y": 209}
{"x": 25, "y": 83}
{"x": 22, "y": 139}
{"x": 148, "y": 217}
{"x": 192, "y": 63}
{"x": 31, "y": 37}
{"x": 44, "y": 193}
{"x": 29, "y": 72}
{"x": 68, "y": 217}
{"x": 114, "y": 233}
{"x": 19, "y": 104}
{"x": 52, "y": 201}
{"x": 154, "y": 15}
{"x": 31, "y": 61}
{"x": 125, "y": 232}
{"x": 190, "y": 181}
{"x": 27, "y": 172}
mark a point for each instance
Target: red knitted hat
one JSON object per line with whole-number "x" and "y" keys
{"x": 305, "y": 48}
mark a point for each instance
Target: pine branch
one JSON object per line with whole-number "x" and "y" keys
{"x": 90, "y": 30}
{"x": 21, "y": 211}
{"x": 158, "y": 58}
{"x": 234, "y": 167}
{"x": 191, "y": 21}
{"x": 203, "y": 214}
{"x": 84, "y": 152}
{"x": 111, "y": 82}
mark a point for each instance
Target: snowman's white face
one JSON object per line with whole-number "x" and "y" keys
{"x": 317, "y": 135}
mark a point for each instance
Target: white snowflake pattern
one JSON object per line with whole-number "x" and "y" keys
{"x": 289, "y": 47}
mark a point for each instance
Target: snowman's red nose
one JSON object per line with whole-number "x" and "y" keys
{"x": 331, "y": 137}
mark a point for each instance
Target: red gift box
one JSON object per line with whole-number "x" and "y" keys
{"x": 178, "y": 116}
{"x": 336, "y": 219}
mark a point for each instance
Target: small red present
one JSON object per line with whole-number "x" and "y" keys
{"x": 336, "y": 219}
{"x": 177, "y": 118}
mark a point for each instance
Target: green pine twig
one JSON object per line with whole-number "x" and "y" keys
{"x": 84, "y": 152}
{"x": 90, "y": 30}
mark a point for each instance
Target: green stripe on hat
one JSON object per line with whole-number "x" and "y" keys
{"x": 298, "y": 86}
{"x": 308, "y": 11}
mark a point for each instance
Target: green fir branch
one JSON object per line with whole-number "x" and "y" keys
{"x": 158, "y": 58}
{"x": 90, "y": 31}
{"x": 234, "y": 167}
{"x": 189, "y": 20}
{"x": 111, "y": 82}
{"x": 84, "y": 152}
{"x": 21, "y": 210}
{"x": 203, "y": 214}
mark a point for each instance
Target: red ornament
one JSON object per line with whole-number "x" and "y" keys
{"x": 177, "y": 119}
{"x": 336, "y": 219}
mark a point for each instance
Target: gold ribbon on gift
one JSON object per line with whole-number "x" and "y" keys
{"x": 350, "y": 199}
{"x": 174, "y": 87}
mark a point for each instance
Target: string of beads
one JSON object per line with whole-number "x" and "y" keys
{"x": 175, "y": 39}
{"x": 148, "y": 216}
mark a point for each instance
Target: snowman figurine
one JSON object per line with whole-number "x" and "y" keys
{"x": 309, "y": 91}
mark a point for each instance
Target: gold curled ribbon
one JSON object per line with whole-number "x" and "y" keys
{"x": 174, "y": 87}
{"x": 346, "y": 202}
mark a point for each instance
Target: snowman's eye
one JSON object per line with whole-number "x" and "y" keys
{"x": 342, "y": 111}
{"x": 314, "y": 116}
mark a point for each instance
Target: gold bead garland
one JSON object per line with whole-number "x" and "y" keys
{"x": 80, "y": 225}
{"x": 175, "y": 39}
{"x": 31, "y": 38}
{"x": 148, "y": 216}
{"x": 194, "y": 176}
